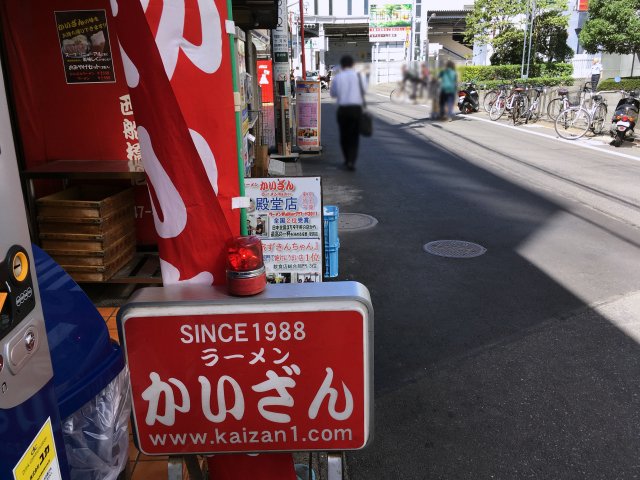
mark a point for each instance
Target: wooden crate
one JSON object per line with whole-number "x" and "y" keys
{"x": 85, "y": 201}
{"x": 98, "y": 273}
{"x": 88, "y": 230}
{"x": 89, "y": 226}
{"x": 86, "y": 241}
{"x": 124, "y": 246}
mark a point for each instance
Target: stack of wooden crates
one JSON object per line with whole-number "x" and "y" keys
{"x": 89, "y": 230}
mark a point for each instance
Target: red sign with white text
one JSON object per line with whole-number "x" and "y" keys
{"x": 265, "y": 80}
{"x": 249, "y": 382}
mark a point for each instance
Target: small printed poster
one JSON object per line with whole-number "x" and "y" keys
{"x": 85, "y": 47}
{"x": 286, "y": 213}
{"x": 40, "y": 461}
{"x": 308, "y": 105}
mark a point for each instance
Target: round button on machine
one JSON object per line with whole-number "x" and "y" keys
{"x": 30, "y": 340}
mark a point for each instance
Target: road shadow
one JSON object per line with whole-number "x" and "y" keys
{"x": 490, "y": 367}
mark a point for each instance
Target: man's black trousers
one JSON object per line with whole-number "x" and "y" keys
{"x": 349, "y": 123}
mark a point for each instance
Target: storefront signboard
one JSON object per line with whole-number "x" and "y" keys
{"x": 308, "y": 115}
{"x": 265, "y": 80}
{"x": 287, "y": 370}
{"x": 286, "y": 213}
{"x": 390, "y": 20}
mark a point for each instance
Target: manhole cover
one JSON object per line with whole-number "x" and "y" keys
{"x": 349, "y": 222}
{"x": 454, "y": 249}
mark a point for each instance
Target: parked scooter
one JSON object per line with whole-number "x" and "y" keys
{"x": 625, "y": 117}
{"x": 325, "y": 80}
{"x": 468, "y": 98}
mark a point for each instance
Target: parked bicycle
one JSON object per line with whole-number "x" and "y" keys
{"x": 563, "y": 102}
{"x": 574, "y": 122}
{"x": 533, "y": 112}
{"x": 519, "y": 104}
{"x": 507, "y": 100}
{"x": 491, "y": 96}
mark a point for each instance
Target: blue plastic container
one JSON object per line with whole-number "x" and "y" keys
{"x": 85, "y": 359}
{"x": 89, "y": 376}
{"x": 331, "y": 261}
{"x": 330, "y": 214}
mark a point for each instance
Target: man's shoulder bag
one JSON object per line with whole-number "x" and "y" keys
{"x": 366, "y": 120}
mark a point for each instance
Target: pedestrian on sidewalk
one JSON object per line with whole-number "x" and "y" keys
{"x": 347, "y": 87}
{"x": 448, "y": 88}
{"x": 596, "y": 70}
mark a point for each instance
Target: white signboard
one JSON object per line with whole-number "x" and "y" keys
{"x": 286, "y": 213}
{"x": 390, "y": 20}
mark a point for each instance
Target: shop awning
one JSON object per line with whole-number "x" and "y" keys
{"x": 252, "y": 14}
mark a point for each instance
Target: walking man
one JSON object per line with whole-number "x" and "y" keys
{"x": 347, "y": 87}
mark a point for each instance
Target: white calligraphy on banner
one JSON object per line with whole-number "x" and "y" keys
{"x": 206, "y": 57}
{"x": 170, "y": 36}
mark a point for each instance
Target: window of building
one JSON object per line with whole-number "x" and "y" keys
{"x": 330, "y": 7}
{"x": 579, "y": 47}
{"x": 349, "y": 7}
{"x": 315, "y": 7}
{"x": 366, "y": 7}
{"x": 418, "y": 11}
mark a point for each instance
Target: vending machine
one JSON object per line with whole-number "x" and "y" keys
{"x": 31, "y": 446}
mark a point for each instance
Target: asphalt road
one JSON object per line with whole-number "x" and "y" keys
{"x": 520, "y": 363}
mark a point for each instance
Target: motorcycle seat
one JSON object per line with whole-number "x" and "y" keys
{"x": 518, "y": 89}
{"x": 563, "y": 91}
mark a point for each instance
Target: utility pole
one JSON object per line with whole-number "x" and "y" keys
{"x": 528, "y": 34}
{"x": 304, "y": 63}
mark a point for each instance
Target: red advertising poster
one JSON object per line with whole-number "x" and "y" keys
{"x": 583, "y": 5}
{"x": 265, "y": 80}
{"x": 249, "y": 382}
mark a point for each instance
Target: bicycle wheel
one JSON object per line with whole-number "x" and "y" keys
{"x": 398, "y": 95}
{"x": 520, "y": 107}
{"x": 599, "y": 119}
{"x": 497, "y": 109}
{"x": 516, "y": 111}
{"x": 489, "y": 100}
{"x": 554, "y": 108}
{"x": 572, "y": 123}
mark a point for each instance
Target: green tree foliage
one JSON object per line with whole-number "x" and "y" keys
{"x": 507, "y": 48}
{"x": 503, "y": 22}
{"x": 550, "y": 37}
{"x": 491, "y": 17}
{"x": 613, "y": 26}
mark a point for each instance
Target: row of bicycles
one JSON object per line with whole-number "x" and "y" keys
{"x": 572, "y": 118}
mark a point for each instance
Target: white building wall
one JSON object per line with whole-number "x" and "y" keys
{"x": 432, "y": 5}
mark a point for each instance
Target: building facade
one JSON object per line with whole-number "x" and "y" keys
{"x": 382, "y": 34}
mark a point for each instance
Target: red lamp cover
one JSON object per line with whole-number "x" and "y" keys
{"x": 244, "y": 254}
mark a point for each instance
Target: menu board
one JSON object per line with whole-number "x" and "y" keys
{"x": 85, "y": 47}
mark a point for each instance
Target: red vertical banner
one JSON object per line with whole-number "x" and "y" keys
{"x": 265, "y": 80}
{"x": 583, "y": 5}
{"x": 190, "y": 164}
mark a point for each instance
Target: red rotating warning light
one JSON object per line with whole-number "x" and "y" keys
{"x": 245, "y": 267}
